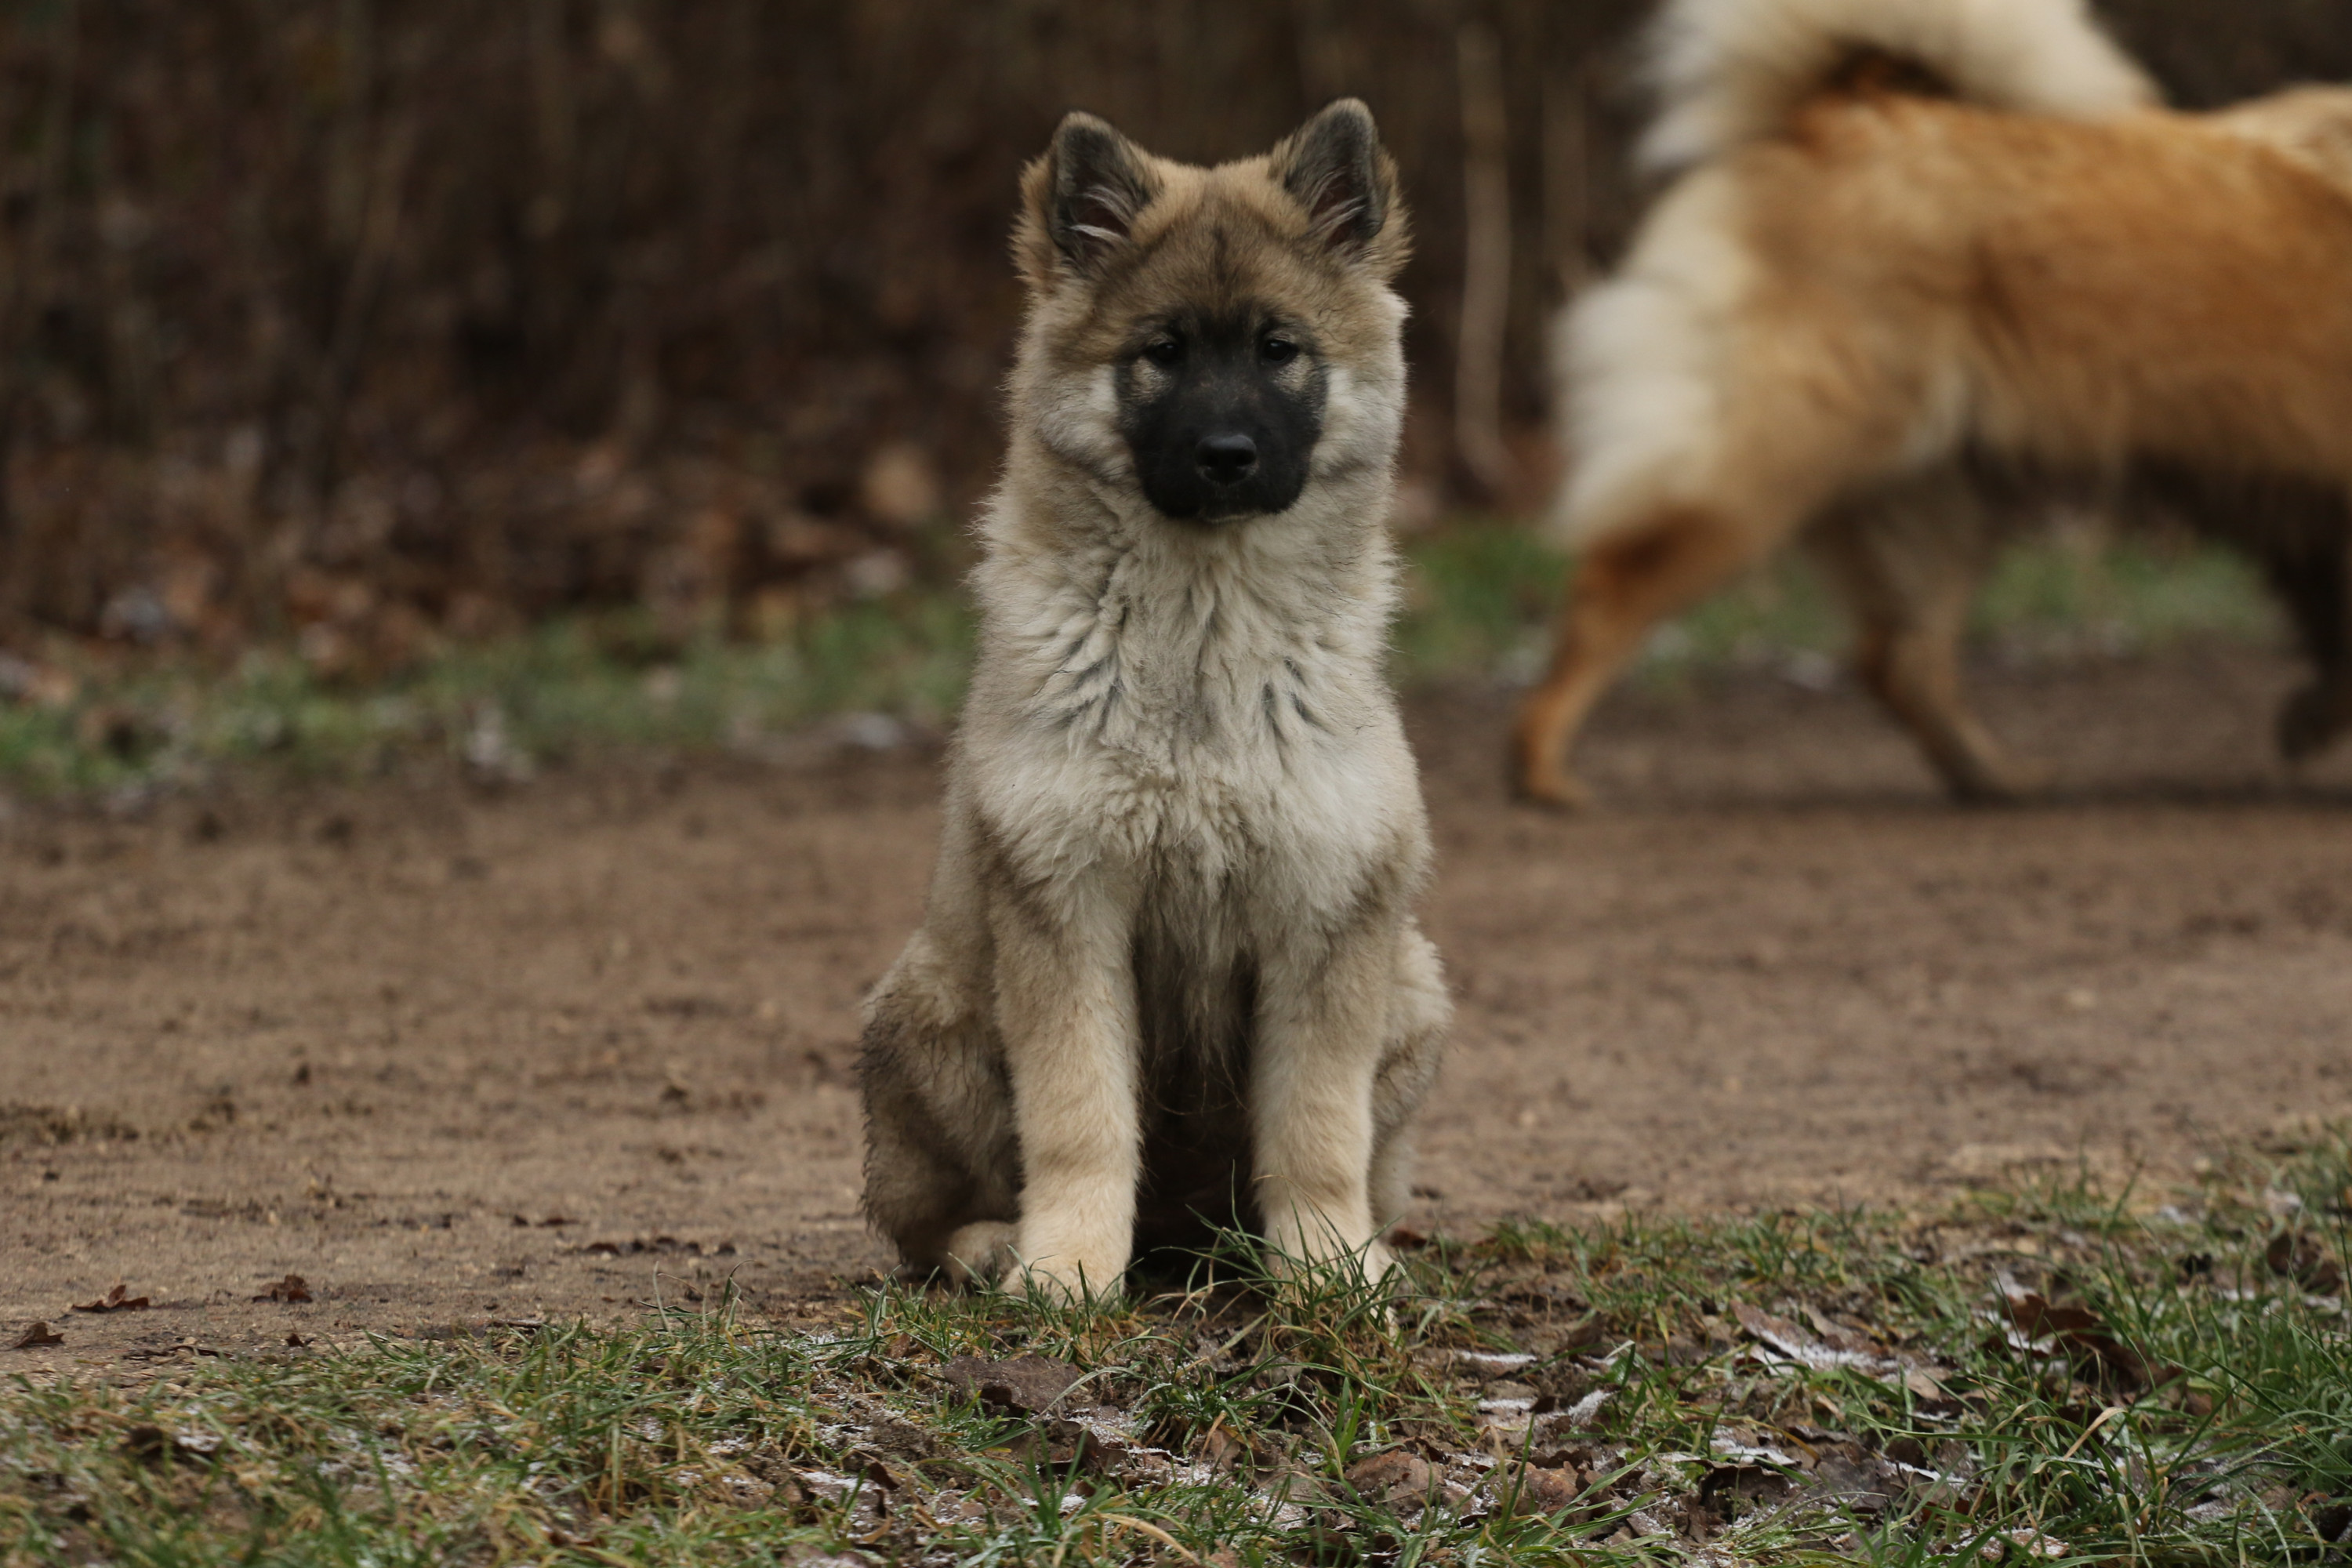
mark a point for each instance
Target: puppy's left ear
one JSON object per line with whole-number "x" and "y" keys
{"x": 1336, "y": 168}
{"x": 1081, "y": 200}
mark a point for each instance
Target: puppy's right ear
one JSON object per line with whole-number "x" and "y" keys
{"x": 1080, "y": 200}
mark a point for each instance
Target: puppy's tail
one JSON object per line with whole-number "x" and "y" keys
{"x": 1735, "y": 71}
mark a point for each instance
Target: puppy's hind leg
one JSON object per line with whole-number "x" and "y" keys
{"x": 940, "y": 1166}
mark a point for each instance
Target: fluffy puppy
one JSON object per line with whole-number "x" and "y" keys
{"x": 1169, "y": 972}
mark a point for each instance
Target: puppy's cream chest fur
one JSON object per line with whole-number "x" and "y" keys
{"x": 1207, "y": 704}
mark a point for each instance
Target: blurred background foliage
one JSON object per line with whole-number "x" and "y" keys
{"x": 363, "y": 327}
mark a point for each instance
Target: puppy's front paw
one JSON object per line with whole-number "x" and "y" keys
{"x": 980, "y": 1253}
{"x": 1066, "y": 1280}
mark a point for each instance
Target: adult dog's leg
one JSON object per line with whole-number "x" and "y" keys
{"x": 2316, "y": 583}
{"x": 1067, "y": 1005}
{"x": 1910, "y": 561}
{"x": 1621, "y": 588}
{"x": 1325, "y": 1006}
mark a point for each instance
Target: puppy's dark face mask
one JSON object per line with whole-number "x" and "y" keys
{"x": 1221, "y": 415}
{"x": 1200, "y": 329}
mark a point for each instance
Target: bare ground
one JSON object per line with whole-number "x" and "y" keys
{"x": 451, "y": 1056}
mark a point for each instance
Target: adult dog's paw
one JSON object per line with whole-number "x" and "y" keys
{"x": 1551, "y": 787}
{"x": 2310, "y": 719}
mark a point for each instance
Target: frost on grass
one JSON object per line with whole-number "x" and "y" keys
{"x": 2039, "y": 1376}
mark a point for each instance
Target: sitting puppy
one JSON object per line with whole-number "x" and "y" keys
{"x": 1169, "y": 972}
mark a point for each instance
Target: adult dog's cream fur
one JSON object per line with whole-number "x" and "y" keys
{"x": 1922, "y": 260}
{"x": 1168, "y": 966}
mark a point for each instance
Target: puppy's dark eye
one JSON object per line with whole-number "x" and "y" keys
{"x": 1163, "y": 351}
{"x": 1278, "y": 350}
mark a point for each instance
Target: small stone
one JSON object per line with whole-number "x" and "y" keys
{"x": 1538, "y": 1491}
{"x": 1025, "y": 1384}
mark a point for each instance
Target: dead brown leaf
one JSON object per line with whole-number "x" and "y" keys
{"x": 1222, "y": 1450}
{"x": 37, "y": 1336}
{"x": 1398, "y": 1476}
{"x": 2304, "y": 1260}
{"x": 1540, "y": 1490}
{"x": 1789, "y": 1340}
{"x": 1926, "y": 1386}
{"x": 2076, "y": 1332}
{"x": 118, "y": 1299}
{"x": 293, "y": 1288}
{"x": 663, "y": 1243}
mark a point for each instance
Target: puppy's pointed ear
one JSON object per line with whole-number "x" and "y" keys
{"x": 1082, "y": 198}
{"x": 1336, "y": 168}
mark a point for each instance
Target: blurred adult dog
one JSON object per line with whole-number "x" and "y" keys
{"x": 1924, "y": 260}
{"x": 1170, "y": 972}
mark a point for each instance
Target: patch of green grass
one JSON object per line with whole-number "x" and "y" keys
{"x": 2045, "y": 1373}
{"x": 2049, "y": 599}
{"x": 575, "y": 685}
{"x": 2062, "y": 594}
{"x": 1476, "y": 596}
{"x": 1479, "y": 599}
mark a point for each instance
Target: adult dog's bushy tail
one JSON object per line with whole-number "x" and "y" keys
{"x": 1733, "y": 71}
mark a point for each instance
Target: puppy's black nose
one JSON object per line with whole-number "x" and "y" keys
{"x": 1225, "y": 460}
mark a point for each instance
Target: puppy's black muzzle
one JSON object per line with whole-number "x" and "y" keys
{"x": 1219, "y": 429}
{"x": 1226, "y": 460}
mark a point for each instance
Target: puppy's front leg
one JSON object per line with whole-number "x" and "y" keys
{"x": 1323, "y": 1012}
{"x": 1065, "y": 1002}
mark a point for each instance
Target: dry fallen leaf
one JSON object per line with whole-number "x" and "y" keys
{"x": 2077, "y": 1333}
{"x": 1397, "y": 1477}
{"x": 659, "y": 1244}
{"x": 293, "y": 1288}
{"x": 36, "y": 1334}
{"x": 1221, "y": 1449}
{"x": 1540, "y": 1490}
{"x": 1847, "y": 1350}
{"x": 116, "y": 1301}
{"x": 155, "y": 1445}
{"x": 2303, "y": 1260}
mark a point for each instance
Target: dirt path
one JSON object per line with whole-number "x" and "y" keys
{"x": 384, "y": 1038}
